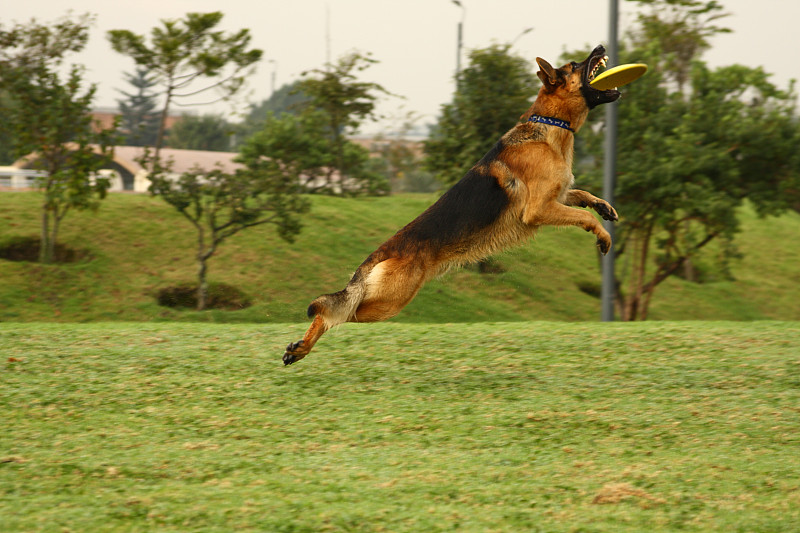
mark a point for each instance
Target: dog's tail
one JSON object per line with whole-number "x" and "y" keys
{"x": 339, "y": 307}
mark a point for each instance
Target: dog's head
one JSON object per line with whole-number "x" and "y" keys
{"x": 573, "y": 79}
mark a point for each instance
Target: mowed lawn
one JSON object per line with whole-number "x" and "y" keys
{"x": 527, "y": 426}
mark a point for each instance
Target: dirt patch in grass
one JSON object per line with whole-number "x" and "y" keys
{"x": 617, "y": 492}
{"x": 27, "y": 249}
{"x": 220, "y": 296}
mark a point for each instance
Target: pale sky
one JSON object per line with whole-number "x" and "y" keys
{"x": 414, "y": 40}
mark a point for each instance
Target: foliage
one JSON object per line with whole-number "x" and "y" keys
{"x": 189, "y": 57}
{"x": 48, "y": 116}
{"x": 494, "y": 89}
{"x": 299, "y": 147}
{"x": 658, "y": 427}
{"x": 341, "y": 103}
{"x": 401, "y": 162}
{"x": 6, "y": 139}
{"x": 203, "y": 132}
{"x": 294, "y": 145}
{"x": 139, "y": 118}
{"x": 400, "y": 159}
{"x": 682, "y": 28}
{"x": 221, "y": 204}
{"x": 287, "y": 99}
{"x": 693, "y": 144}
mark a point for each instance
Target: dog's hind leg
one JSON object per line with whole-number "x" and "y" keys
{"x": 297, "y": 350}
{"x": 391, "y": 286}
{"x": 377, "y": 291}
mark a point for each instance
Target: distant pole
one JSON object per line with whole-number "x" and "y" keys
{"x": 607, "y": 293}
{"x": 273, "y": 75}
{"x": 328, "y": 34}
{"x": 460, "y": 38}
{"x": 458, "y": 47}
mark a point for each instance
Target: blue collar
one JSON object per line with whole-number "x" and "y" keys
{"x": 551, "y": 122}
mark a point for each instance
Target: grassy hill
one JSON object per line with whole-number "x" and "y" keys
{"x": 138, "y": 245}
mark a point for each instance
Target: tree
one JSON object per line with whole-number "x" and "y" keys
{"x": 298, "y": 144}
{"x": 694, "y": 143}
{"x": 220, "y": 204}
{"x": 400, "y": 160}
{"x": 6, "y": 141}
{"x": 140, "y": 120}
{"x": 492, "y": 92}
{"x": 343, "y": 103}
{"x": 287, "y": 99}
{"x": 190, "y": 57}
{"x": 48, "y": 117}
{"x": 204, "y": 132}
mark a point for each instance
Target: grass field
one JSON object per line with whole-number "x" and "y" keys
{"x": 139, "y": 245}
{"x": 526, "y": 426}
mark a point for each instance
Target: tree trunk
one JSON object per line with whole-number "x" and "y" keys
{"x": 162, "y": 127}
{"x": 634, "y": 302}
{"x": 629, "y": 309}
{"x": 338, "y": 141}
{"x": 644, "y": 251}
{"x": 202, "y": 283}
{"x": 689, "y": 272}
{"x": 646, "y": 304}
{"x": 51, "y": 244}
{"x": 44, "y": 242}
{"x": 203, "y": 255}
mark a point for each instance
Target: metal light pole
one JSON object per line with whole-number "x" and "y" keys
{"x": 460, "y": 41}
{"x": 610, "y": 173}
{"x": 273, "y": 75}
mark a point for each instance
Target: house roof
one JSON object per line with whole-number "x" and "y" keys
{"x": 183, "y": 160}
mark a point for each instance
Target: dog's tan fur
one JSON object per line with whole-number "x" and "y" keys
{"x": 523, "y": 183}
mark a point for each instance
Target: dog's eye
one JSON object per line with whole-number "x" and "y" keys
{"x": 574, "y": 65}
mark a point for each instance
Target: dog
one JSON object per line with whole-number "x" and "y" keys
{"x": 522, "y": 183}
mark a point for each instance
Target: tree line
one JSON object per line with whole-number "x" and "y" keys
{"x": 694, "y": 142}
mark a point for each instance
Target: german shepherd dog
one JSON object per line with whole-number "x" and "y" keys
{"x": 523, "y": 182}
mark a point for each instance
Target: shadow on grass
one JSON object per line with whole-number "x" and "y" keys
{"x": 220, "y": 296}
{"x": 27, "y": 249}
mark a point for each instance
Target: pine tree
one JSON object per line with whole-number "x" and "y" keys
{"x": 190, "y": 57}
{"x": 139, "y": 110}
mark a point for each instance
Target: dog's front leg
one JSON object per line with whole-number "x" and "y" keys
{"x": 579, "y": 198}
{"x": 557, "y": 214}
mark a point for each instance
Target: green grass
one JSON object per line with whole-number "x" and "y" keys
{"x": 140, "y": 245}
{"x": 526, "y": 426}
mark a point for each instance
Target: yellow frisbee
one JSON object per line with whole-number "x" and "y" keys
{"x": 618, "y": 76}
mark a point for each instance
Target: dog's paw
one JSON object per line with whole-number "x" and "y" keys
{"x": 293, "y": 353}
{"x": 605, "y": 210}
{"x": 604, "y": 245}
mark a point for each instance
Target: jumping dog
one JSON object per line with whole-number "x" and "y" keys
{"x": 524, "y": 182}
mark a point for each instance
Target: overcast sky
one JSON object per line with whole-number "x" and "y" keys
{"x": 414, "y": 40}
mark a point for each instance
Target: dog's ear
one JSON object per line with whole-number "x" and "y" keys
{"x": 548, "y": 74}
